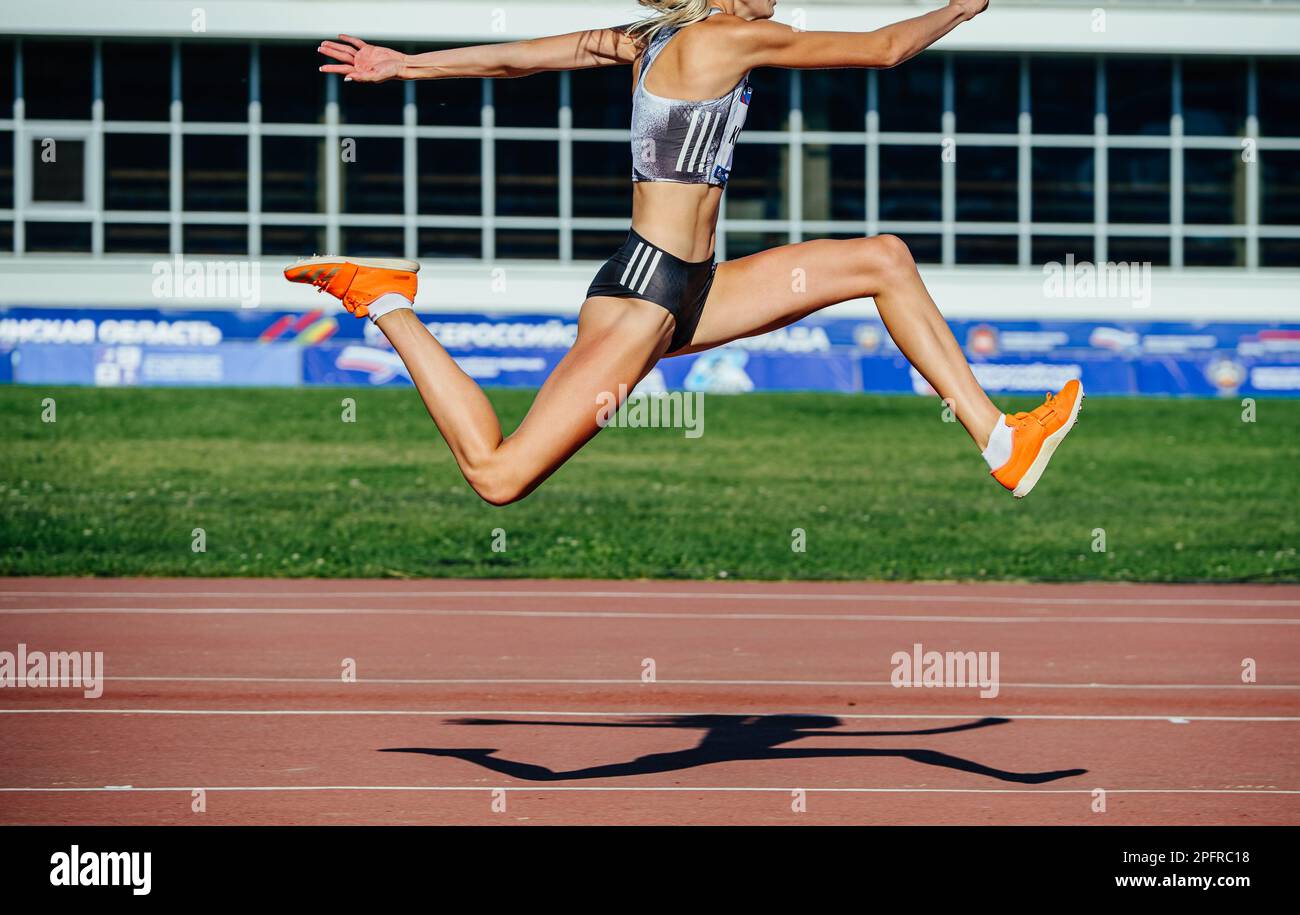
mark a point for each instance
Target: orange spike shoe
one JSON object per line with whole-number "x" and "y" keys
{"x": 1035, "y": 436}
{"x": 356, "y": 281}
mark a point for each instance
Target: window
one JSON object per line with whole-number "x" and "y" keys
{"x": 328, "y": 164}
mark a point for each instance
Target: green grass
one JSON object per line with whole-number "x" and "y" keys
{"x": 1184, "y": 490}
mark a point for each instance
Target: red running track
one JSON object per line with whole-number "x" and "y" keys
{"x": 500, "y": 702}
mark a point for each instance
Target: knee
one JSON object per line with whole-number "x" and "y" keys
{"x": 494, "y": 483}
{"x": 888, "y": 258}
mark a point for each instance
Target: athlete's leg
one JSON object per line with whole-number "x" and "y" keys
{"x": 759, "y": 293}
{"x": 618, "y": 342}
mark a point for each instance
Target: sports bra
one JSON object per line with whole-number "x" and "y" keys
{"x": 684, "y": 141}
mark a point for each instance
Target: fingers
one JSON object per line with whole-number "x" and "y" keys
{"x": 355, "y": 42}
{"x": 345, "y": 69}
{"x": 337, "y": 51}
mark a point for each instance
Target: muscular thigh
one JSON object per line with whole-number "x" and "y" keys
{"x": 764, "y": 291}
{"x": 619, "y": 341}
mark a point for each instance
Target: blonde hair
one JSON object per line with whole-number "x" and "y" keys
{"x": 668, "y": 14}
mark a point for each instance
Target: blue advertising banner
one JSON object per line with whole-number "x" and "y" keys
{"x": 238, "y": 364}
{"x": 824, "y": 353}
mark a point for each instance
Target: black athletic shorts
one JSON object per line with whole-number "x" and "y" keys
{"x": 639, "y": 270}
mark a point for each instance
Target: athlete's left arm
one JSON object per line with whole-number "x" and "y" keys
{"x": 770, "y": 44}
{"x": 363, "y": 62}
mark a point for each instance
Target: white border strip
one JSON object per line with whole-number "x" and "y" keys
{"x": 675, "y": 789}
{"x": 632, "y": 681}
{"x": 473, "y": 713}
{"x": 6, "y": 594}
{"x": 639, "y": 615}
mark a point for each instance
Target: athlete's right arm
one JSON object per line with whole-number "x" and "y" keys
{"x": 765, "y": 43}
{"x": 363, "y": 62}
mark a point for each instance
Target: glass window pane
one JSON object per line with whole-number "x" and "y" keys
{"x": 1139, "y": 95}
{"x": 137, "y": 81}
{"x": 136, "y": 238}
{"x": 450, "y": 177}
{"x": 531, "y": 102}
{"x": 987, "y": 249}
{"x": 57, "y": 79}
{"x": 292, "y": 88}
{"x": 596, "y": 245}
{"x": 911, "y": 96}
{"x": 1138, "y": 250}
{"x": 216, "y": 173}
{"x": 293, "y": 175}
{"x": 63, "y": 237}
{"x": 6, "y": 78}
{"x": 137, "y": 172}
{"x": 214, "y": 239}
{"x": 527, "y": 178}
{"x": 1214, "y": 97}
{"x": 214, "y": 81}
{"x": 1139, "y": 185}
{"x": 834, "y": 182}
{"x": 382, "y": 241}
{"x": 1062, "y": 185}
{"x": 6, "y": 170}
{"x": 769, "y": 106}
{"x": 743, "y": 244}
{"x": 371, "y": 103}
{"x": 911, "y": 183}
{"x": 6, "y": 237}
{"x": 986, "y": 93}
{"x": 1214, "y": 252}
{"x": 1214, "y": 186}
{"x": 449, "y": 101}
{"x": 539, "y": 244}
{"x": 835, "y": 100}
{"x": 1280, "y": 187}
{"x": 925, "y": 248}
{"x": 757, "y": 188}
{"x": 1063, "y": 94}
{"x": 1279, "y": 252}
{"x": 58, "y": 170}
{"x": 373, "y": 179}
{"x": 1279, "y": 116}
{"x": 444, "y": 241}
{"x": 1058, "y": 249}
{"x": 297, "y": 241}
{"x": 602, "y": 184}
{"x": 601, "y": 96}
{"x": 987, "y": 185}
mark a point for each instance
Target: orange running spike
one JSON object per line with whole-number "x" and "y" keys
{"x": 1035, "y": 436}
{"x": 356, "y": 281}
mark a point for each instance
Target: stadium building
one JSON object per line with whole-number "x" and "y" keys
{"x": 1107, "y": 188}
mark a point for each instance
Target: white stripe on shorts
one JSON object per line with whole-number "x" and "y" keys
{"x": 651, "y": 272}
{"x": 622, "y": 281}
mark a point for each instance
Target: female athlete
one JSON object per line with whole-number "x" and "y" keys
{"x": 662, "y": 294}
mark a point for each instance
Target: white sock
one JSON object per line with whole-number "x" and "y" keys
{"x": 999, "y": 450}
{"x": 389, "y": 302}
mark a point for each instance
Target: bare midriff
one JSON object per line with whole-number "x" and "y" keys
{"x": 680, "y": 218}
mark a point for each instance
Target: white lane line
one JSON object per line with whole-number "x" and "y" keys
{"x": 543, "y": 713}
{"x": 686, "y": 595}
{"x": 634, "y": 681}
{"x": 639, "y": 615}
{"x": 678, "y": 789}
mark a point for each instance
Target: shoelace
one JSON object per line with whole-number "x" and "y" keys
{"x": 1039, "y": 413}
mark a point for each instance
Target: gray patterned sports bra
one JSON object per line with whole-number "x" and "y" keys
{"x": 683, "y": 141}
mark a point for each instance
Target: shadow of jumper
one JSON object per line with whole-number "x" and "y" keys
{"x": 730, "y": 738}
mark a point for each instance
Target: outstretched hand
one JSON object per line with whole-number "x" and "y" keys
{"x": 361, "y": 62}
